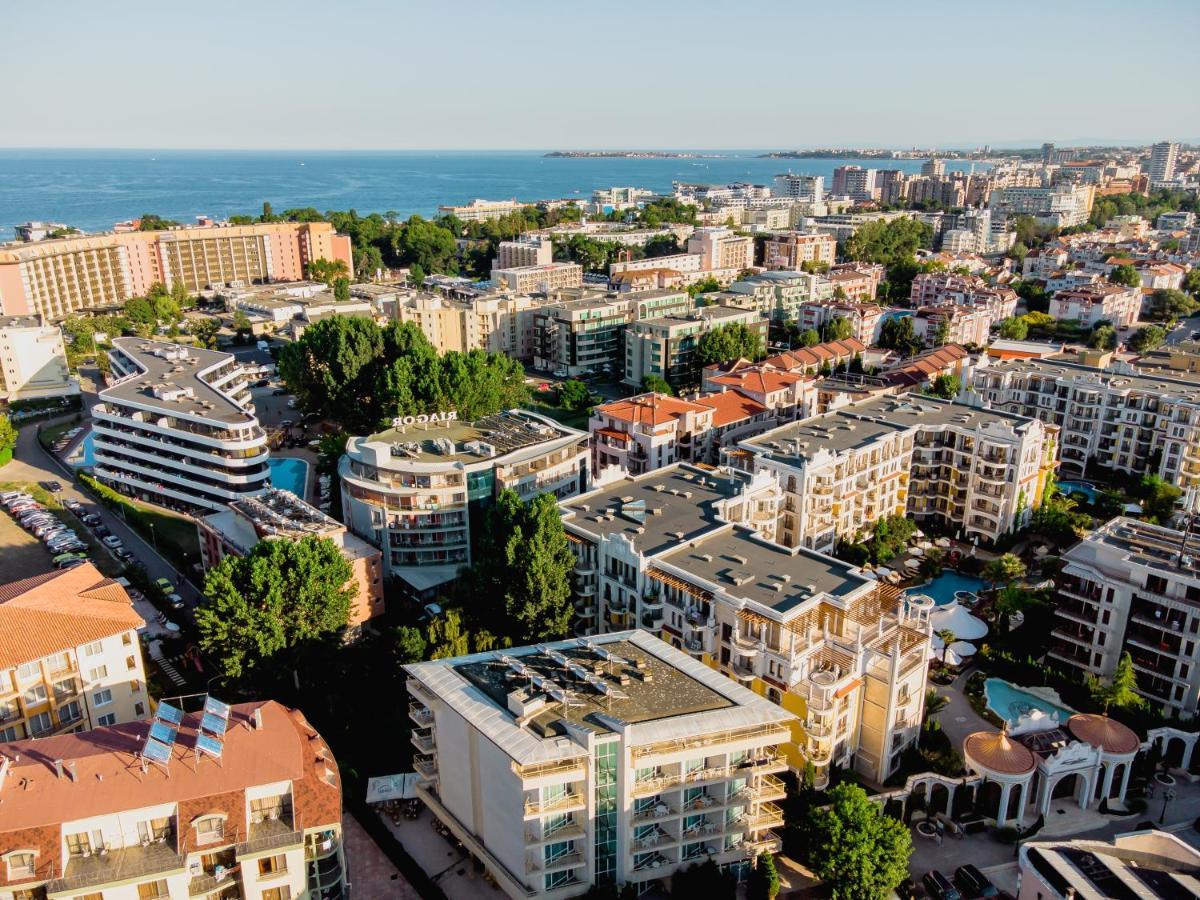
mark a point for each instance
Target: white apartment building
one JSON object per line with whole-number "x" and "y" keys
{"x": 949, "y": 324}
{"x": 689, "y": 553}
{"x": 613, "y": 761}
{"x": 979, "y": 471}
{"x": 540, "y": 279}
{"x": 665, "y": 346}
{"x": 1062, "y": 206}
{"x": 809, "y": 188}
{"x": 1131, "y": 587}
{"x": 70, "y": 658}
{"x": 482, "y": 210}
{"x": 719, "y": 248}
{"x": 413, "y": 489}
{"x": 530, "y": 250}
{"x": 1163, "y": 156}
{"x": 176, "y": 426}
{"x": 777, "y": 295}
{"x": 33, "y": 361}
{"x": 1176, "y": 221}
{"x": 792, "y": 250}
{"x": 855, "y": 182}
{"x": 1090, "y": 304}
{"x": 948, "y": 288}
{"x": 1118, "y": 418}
{"x": 244, "y": 803}
{"x": 497, "y": 322}
{"x": 866, "y": 319}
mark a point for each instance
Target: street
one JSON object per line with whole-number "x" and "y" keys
{"x": 1184, "y": 331}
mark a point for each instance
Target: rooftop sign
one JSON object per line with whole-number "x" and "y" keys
{"x": 432, "y": 418}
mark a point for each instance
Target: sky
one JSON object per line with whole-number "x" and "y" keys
{"x": 616, "y": 74}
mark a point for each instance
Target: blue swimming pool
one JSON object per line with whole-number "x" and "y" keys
{"x": 1089, "y": 491}
{"x": 87, "y": 457}
{"x": 1011, "y": 702}
{"x": 944, "y": 586}
{"x": 289, "y": 473}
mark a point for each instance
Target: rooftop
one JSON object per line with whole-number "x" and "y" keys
{"x": 1140, "y": 864}
{"x": 1153, "y": 546}
{"x": 649, "y": 409}
{"x": 453, "y": 440}
{"x": 1121, "y": 379}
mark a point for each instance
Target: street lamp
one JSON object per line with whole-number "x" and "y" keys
{"x": 153, "y": 539}
{"x": 1168, "y": 795}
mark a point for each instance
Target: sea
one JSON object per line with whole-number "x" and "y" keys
{"x": 93, "y": 189}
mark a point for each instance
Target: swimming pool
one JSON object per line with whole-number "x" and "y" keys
{"x": 1079, "y": 487}
{"x": 85, "y": 454}
{"x": 289, "y": 473}
{"x": 1011, "y": 702}
{"x": 943, "y": 587}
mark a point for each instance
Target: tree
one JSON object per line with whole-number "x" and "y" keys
{"x": 1121, "y": 691}
{"x": 704, "y": 286}
{"x": 1014, "y": 329}
{"x": 1167, "y": 303}
{"x": 657, "y": 385}
{"x": 728, "y": 343}
{"x": 326, "y": 270}
{"x": 409, "y": 644}
{"x": 838, "y": 328}
{"x": 947, "y": 637}
{"x": 8, "y": 439}
{"x": 1125, "y": 275}
{"x": 574, "y": 395}
{"x": 333, "y": 371}
{"x": 341, "y": 289}
{"x": 1004, "y": 569}
{"x": 897, "y": 334}
{"x": 1104, "y": 337}
{"x": 1158, "y": 498}
{"x": 860, "y": 853}
{"x": 152, "y": 222}
{"x": 810, "y": 337}
{"x": 280, "y": 596}
{"x": 426, "y": 246}
{"x": 947, "y": 386}
{"x": 205, "y": 332}
{"x": 1147, "y": 338}
{"x": 764, "y": 879}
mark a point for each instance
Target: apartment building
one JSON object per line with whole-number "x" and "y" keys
{"x": 948, "y": 288}
{"x": 33, "y": 360}
{"x": 786, "y": 394}
{"x": 605, "y": 200}
{"x": 539, "y": 279}
{"x": 60, "y": 277}
{"x": 499, "y": 322}
{"x": 176, "y": 427}
{"x": 529, "y": 250}
{"x": 1091, "y": 304}
{"x": 665, "y": 346}
{"x": 281, "y": 515}
{"x": 720, "y": 248}
{"x": 689, "y": 553}
{"x": 978, "y": 471}
{"x": 1147, "y": 864}
{"x": 947, "y": 324}
{"x": 241, "y": 801}
{"x": 414, "y": 489}
{"x": 648, "y": 432}
{"x": 854, "y": 182}
{"x": 482, "y": 210}
{"x": 1163, "y": 157}
{"x": 866, "y": 319}
{"x": 69, "y": 655}
{"x": 1060, "y": 206}
{"x": 808, "y": 188}
{"x": 612, "y": 761}
{"x": 777, "y": 295}
{"x": 1131, "y": 587}
{"x": 1117, "y": 418}
{"x": 584, "y": 332}
{"x": 791, "y": 250}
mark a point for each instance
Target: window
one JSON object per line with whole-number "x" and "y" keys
{"x": 107, "y": 719}
{"x": 127, "y": 639}
{"x": 35, "y": 695}
{"x": 154, "y": 830}
{"x": 154, "y": 890}
{"x": 139, "y": 709}
{"x": 210, "y": 829}
{"x": 269, "y": 808}
{"x": 28, "y": 671}
{"x": 40, "y": 724}
{"x": 102, "y": 698}
{"x": 93, "y": 649}
{"x": 277, "y": 893}
{"x": 130, "y": 662}
{"x": 21, "y": 864}
{"x": 69, "y": 713}
{"x": 79, "y": 844}
{"x": 97, "y": 673}
{"x": 272, "y": 865}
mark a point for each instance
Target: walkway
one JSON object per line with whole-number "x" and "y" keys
{"x": 958, "y": 719}
{"x": 371, "y": 872}
{"x": 446, "y": 863}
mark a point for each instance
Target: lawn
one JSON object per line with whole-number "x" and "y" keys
{"x": 546, "y": 404}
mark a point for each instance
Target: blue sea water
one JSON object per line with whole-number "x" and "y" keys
{"x": 92, "y": 189}
{"x": 289, "y": 473}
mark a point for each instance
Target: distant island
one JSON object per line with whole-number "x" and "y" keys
{"x": 628, "y": 154}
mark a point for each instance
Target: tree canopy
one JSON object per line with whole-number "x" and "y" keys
{"x": 1168, "y": 303}
{"x": 8, "y": 437}
{"x": 1014, "y": 329}
{"x": 728, "y": 343}
{"x": 278, "y": 597}
{"x": 1125, "y": 275}
{"x": 897, "y": 334}
{"x": 326, "y": 270}
{"x": 1004, "y": 569}
{"x": 1121, "y": 691}
{"x": 1147, "y": 338}
{"x": 946, "y": 386}
{"x": 657, "y": 385}
{"x": 860, "y": 853}
{"x": 1103, "y": 337}
{"x": 573, "y": 394}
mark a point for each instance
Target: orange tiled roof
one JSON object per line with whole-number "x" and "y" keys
{"x": 813, "y": 356}
{"x": 730, "y": 406}
{"x": 615, "y": 434}
{"x": 648, "y": 409}
{"x": 760, "y": 381}
{"x": 47, "y": 614}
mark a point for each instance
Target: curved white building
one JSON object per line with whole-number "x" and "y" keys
{"x": 176, "y": 427}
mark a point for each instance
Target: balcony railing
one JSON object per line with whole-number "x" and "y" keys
{"x": 563, "y": 803}
{"x": 270, "y": 842}
{"x": 118, "y": 865}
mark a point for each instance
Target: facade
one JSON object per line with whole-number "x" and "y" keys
{"x": 532, "y": 250}
{"x": 790, "y": 251}
{"x": 499, "y": 323}
{"x": 1163, "y": 156}
{"x": 777, "y": 295}
{"x": 947, "y": 288}
{"x": 1090, "y": 304}
{"x": 689, "y": 553}
{"x": 539, "y": 279}
{"x": 70, "y": 658}
{"x": 176, "y": 427}
{"x": 977, "y": 471}
{"x": 1117, "y": 418}
{"x": 1153, "y": 864}
{"x": 418, "y": 489}
{"x": 614, "y": 761}
{"x": 1131, "y": 587}
{"x": 482, "y": 210}
{"x": 60, "y": 277}
{"x": 807, "y": 188}
{"x": 257, "y": 816}
{"x": 866, "y": 319}
{"x": 33, "y": 361}
{"x": 948, "y": 324}
{"x": 854, "y": 182}
{"x": 719, "y": 248}
{"x": 281, "y": 515}
{"x": 666, "y": 346}
{"x": 1061, "y": 206}
{"x": 647, "y": 432}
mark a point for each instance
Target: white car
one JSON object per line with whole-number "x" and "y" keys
{"x": 112, "y": 542}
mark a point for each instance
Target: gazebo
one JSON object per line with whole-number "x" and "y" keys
{"x": 1003, "y": 761}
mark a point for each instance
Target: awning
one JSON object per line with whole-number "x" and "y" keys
{"x": 402, "y": 786}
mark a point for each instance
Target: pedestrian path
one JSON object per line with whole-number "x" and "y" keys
{"x": 164, "y": 663}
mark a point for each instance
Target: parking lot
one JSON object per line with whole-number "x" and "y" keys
{"x": 21, "y": 554}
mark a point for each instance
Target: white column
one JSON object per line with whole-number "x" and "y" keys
{"x": 1108, "y": 780}
{"x": 1125, "y": 780}
{"x": 1023, "y": 801}
{"x": 1002, "y": 812}
{"x": 1188, "y": 747}
{"x": 1044, "y": 799}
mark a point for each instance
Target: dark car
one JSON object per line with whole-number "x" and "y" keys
{"x": 101, "y": 532}
{"x": 939, "y": 887}
{"x": 973, "y": 883}
{"x": 262, "y": 382}
{"x": 54, "y": 487}
{"x": 278, "y": 392}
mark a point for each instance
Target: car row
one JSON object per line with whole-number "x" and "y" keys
{"x": 969, "y": 883}
{"x": 64, "y": 544}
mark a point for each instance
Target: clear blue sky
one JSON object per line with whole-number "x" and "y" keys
{"x": 367, "y": 74}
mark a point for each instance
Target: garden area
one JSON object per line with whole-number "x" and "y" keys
{"x": 172, "y": 534}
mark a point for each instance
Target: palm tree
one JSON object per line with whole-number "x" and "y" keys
{"x": 934, "y": 703}
{"x": 947, "y": 638}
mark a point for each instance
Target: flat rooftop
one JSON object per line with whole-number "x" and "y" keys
{"x": 460, "y": 441}
{"x": 776, "y": 577}
{"x": 860, "y": 425}
{"x": 170, "y": 381}
{"x": 1135, "y": 381}
{"x": 657, "y": 510}
{"x": 1149, "y": 545}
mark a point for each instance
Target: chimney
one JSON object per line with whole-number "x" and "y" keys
{"x": 71, "y": 771}
{"x": 258, "y": 722}
{"x": 58, "y": 768}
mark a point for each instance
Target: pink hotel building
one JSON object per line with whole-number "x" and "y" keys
{"x": 57, "y": 278}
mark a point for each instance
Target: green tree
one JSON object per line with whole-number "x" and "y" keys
{"x": 409, "y": 643}
{"x": 897, "y": 334}
{"x": 426, "y": 246}
{"x": 1167, "y": 303}
{"x": 280, "y": 596}
{"x": 1103, "y": 337}
{"x": 333, "y": 371}
{"x": 8, "y": 439}
{"x": 1014, "y": 329}
{"x": 1158, "y": 498}
{"x": 341, "y": 289}
{"x": 205, "y": 332}
{"x": 1126, "y": 275}
{"x": 728, "y": 343}
{"x": 574, "y": 395}
{"x": 838, "y": 328}
{"x": 860, "y": 853}
{"x": 326, "y": 270}
{"x": 764, "y": 879}
{"x": 1147, "y": 338}
{"x": 1121, "y": 691}
{"x": 1004, "y": 569}
{"x": 657, "y": 385}
{"x": 810, "y": 337}
{"x": 947, "y": 637}
{"x": 152, "y": 222}
{"x": 947, "y": 386}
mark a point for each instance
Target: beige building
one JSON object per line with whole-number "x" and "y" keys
{"x": 665, "y": 346}
{"x": 720, "y": 248}
{"x": 531, "y": 250}
{"x": 1090, "y": 304}
{"x": 70, "y": 658}
{"x": 499, "y": 322}
{"x": 866, "y": 319}
{"x": 790, "y": 251}
{"x": 483, "y": 210}
{"x": 647, "y": 432}
{"x": 33, "y": 361}
{"x": 539, "y": 279}
{"x": 949, "y": 324}
{"x": 777, "y": 295}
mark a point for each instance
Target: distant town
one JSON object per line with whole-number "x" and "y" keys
{"x": 819, "y": 537}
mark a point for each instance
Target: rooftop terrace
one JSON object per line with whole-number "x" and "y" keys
{"x": 448, "y": 441}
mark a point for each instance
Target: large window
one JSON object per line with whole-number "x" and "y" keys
{"x": 277, "y": 893}
{"x": 272, "y": 865}
{"x": 102, "y": 698}
{"x": 210, "y": 829}
{"x": 606, "y": 812}
{"x": 21, "y": 864}
{"x": 154, "y": 890}
{"x": 269, "y": 808}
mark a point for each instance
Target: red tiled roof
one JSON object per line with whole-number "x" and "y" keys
{"x": 615, "y": 434}
{"x": 805, "y": 357}
{"x": 50, "y": 613}
{"x": 648, "y": 409}
{"x": 730, "y": 406}
{"x": 760, "y": 381}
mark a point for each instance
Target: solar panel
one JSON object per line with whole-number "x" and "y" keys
{"x": 212, "y": 724}
{"x": 216, "y": 707}
{"x": 208, "y": 744}
{"x": 156, "y": 751}
{"x": 169, "y": 714}
{"x": 160, "y": 731}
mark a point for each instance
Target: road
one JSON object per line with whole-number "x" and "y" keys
{"x": 1184, "y": 331}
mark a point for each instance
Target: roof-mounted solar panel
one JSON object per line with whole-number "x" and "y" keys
{"x": 163, "y": 732}
{"x": 212, "y": 724}
{"x": 156, "y": 751}
{"x": 206, "y": 743}
{"x": 169, "y": 714}
{"x": 216, "y": 707}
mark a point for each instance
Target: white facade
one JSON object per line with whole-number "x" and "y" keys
{"x": 1162, "y": 161}
{"x": 33, "y": 361}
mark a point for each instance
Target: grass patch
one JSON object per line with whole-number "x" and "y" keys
{"x": 48, "y": 436}
{"x": 546, "y": 403}
{"x": 102, "y": 559}
{"x": 172, "y": 534}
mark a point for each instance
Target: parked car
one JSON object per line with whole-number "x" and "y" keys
{"x": 90, "y": 519}
{"x": 278, "y": 392}
{"x": 53, "y": 487}
{"x": 73, "y": 505}
{"x": 175, "y": 600}
{"x": 112, "y": 542}
{"x": 10, "y": 497}
{"x": 939, "y": 887}
{"x": 101, "y": 532}
{"x": 164, "y": 585}
{"x": 70, "y": 547}
{"x": 122, "y": 554}
{"x": 262, "y": 382}
{"x": 974, "y": 883}
{"x": 63, "y": 557}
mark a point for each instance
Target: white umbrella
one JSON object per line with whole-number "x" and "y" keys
{"x": 943, "y": 542}
{"x": 916, "y": 551}
{"x": 883, "y": 572}
{"x": 963, "y": 649}
{"x": 955, "y": 617}
{"x": 912, "y": 563}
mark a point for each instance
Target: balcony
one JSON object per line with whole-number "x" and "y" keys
{"x": 746, "y": 644}
{"x": 118, "y": 865}
{"x": 426, "y": 768}
{"x": 211, "y": 881}
{"x": 769, "y": 788}
{"x": 273, "y": 834}
{"x": 655, "y": 813}
{"x": 653, "y": 839}
{"x": 568, "y": 802}
{"x": 571, "y": 831}
{"x": 423, "y": 742}
{"x": 768, "y": 816}
{"x": 560, "y": 862}
{"x": 422, "y": 715}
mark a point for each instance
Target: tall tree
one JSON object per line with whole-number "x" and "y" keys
{"x": 333, "y": 371}
{"x": 327, "y": 270}
{"x": 728, "y": 343}
{"x": 272, "y": 601}
{"x": 839, "y": 328}
{"x": 657, "y": 384}
{"x": 1121, "y": 691}
{"x": 1004, "y": 569}
{"x": 1125, "y": 275}
{"x": 897, "y": 334}
{"x": 860, "y": 853}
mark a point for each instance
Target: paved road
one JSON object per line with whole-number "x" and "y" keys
{"x": 1184, "y": 331}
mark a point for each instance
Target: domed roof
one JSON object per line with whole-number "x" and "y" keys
{"x": 995, "y": 750}
{"x": 1101, "y": 731}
